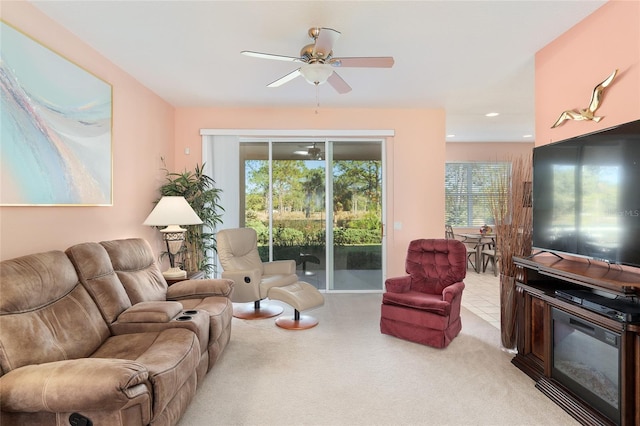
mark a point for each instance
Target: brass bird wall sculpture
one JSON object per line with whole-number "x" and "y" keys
{"x": 587, "y": 113}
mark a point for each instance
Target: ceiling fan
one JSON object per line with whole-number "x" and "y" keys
{"x": 313, "y": 152}
{"x": 318, "y": 61}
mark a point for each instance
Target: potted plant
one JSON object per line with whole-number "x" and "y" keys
{"x": 200, "y": 192}
{"x": 511, "y": 207}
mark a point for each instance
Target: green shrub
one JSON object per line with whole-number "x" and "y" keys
{"x": 370, "y": 221}
{"x": 350, "y": 236}
{"x": 287, "y": 237}
{"x": 306, "y": 234}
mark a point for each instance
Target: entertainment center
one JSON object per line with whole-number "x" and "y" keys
{"x": 578, "y": 295}
{"x": 600, "y": 384}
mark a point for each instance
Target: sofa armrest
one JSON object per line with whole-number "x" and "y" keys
{"x": 453, "y": 291}
{"x": 279, "y": 267}
{"x": 240, "y": 276}
{"x": 189, "y": 289}
{"x": 246, "y": 284}
{"x": 398, "y": 284}
{"x": 85, "y": 384}
{"x": 153, "y": 311}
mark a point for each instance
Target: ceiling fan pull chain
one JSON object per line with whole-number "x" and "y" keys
{"x": 317, "y": 97}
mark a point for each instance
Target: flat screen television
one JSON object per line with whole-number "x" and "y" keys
{"x": 586, "y": 196}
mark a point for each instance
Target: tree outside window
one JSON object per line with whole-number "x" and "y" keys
{"x": 298, "y": 189}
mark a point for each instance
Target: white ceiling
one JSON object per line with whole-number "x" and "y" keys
{"x": 468, "y": 57}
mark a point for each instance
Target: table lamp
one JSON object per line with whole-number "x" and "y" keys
{"x": 173, "y": 211}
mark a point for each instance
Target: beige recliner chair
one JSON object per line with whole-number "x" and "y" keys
{"x": 253, "y": 278}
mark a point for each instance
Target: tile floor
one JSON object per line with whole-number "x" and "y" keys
{"x": 482, "y": 295}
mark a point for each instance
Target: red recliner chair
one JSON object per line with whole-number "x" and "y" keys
{"x": 424, "y": 306}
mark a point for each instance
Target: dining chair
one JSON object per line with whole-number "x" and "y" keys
{"x": 472, "y": 249}
{"x": 490, "y": 254}
{"x": 448, "y": 232}
{"x": 472, "y": 254}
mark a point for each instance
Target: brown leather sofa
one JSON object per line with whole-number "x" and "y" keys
{"x": 97, "y": 332}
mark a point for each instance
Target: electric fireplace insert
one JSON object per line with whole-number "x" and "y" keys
{"x": 586, "y": 360}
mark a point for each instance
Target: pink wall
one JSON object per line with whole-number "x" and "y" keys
{"x": 145, "y": 128}
{"x": 415, "y": 158}
{"x": 570, "y": 67}
{"x": 142, "y": 133}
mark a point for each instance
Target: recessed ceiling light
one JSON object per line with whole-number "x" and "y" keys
{"x": 492, "y": 114}
{"x": 527, "y": 136}
{"x": 451, "y": 136}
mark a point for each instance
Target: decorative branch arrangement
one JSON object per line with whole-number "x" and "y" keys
{"x": 511, "y": 207}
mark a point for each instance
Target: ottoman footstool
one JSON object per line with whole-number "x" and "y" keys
{"x": 301, "y": 296}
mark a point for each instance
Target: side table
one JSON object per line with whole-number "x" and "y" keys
{"x": 193, "y": 275}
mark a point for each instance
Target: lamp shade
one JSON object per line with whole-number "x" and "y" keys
{"x": 172, "y": 210}
{"x": 316, "y": 73}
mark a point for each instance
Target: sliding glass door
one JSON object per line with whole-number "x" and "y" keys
{"x": 356, "y": 237}
{"x": 294, "y": 190}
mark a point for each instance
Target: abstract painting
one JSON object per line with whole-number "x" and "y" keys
{"x": 55, "y": 129}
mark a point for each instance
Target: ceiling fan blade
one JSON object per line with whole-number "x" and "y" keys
{"x": 338, "y": 83}
{"x": 285, "y": 79}
{"x": 324, "y": 43}
{"x": 363, "y": 62}
{"x": 270, "y": 56}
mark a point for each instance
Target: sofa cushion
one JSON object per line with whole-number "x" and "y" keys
{"x": 45, "y": 313}
{"x": 52, "y": 386}
{"x": 133, "y": 261}
{"x": 96, "y": 273}
{"x": 418, "y": 300}
{"x": 435, "y": 264}
{"x": 27, "y": 281}
{"x": 170, "y": 356}
{"x": 414, "y": 317}
{"x": 239, "y": 250}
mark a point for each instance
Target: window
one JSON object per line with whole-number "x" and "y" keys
{"x": 468, "y": 192}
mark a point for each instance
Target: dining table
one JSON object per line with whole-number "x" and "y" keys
{"x": 479, "y": 240}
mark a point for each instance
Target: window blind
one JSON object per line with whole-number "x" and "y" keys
{"x": 469, "y": 188}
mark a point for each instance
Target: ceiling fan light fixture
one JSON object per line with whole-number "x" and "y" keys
{"x": 315, "y": 153}
{"x": 316, "y": 73}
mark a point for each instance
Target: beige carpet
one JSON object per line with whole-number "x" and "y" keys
{"x": 345, "y": 372}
